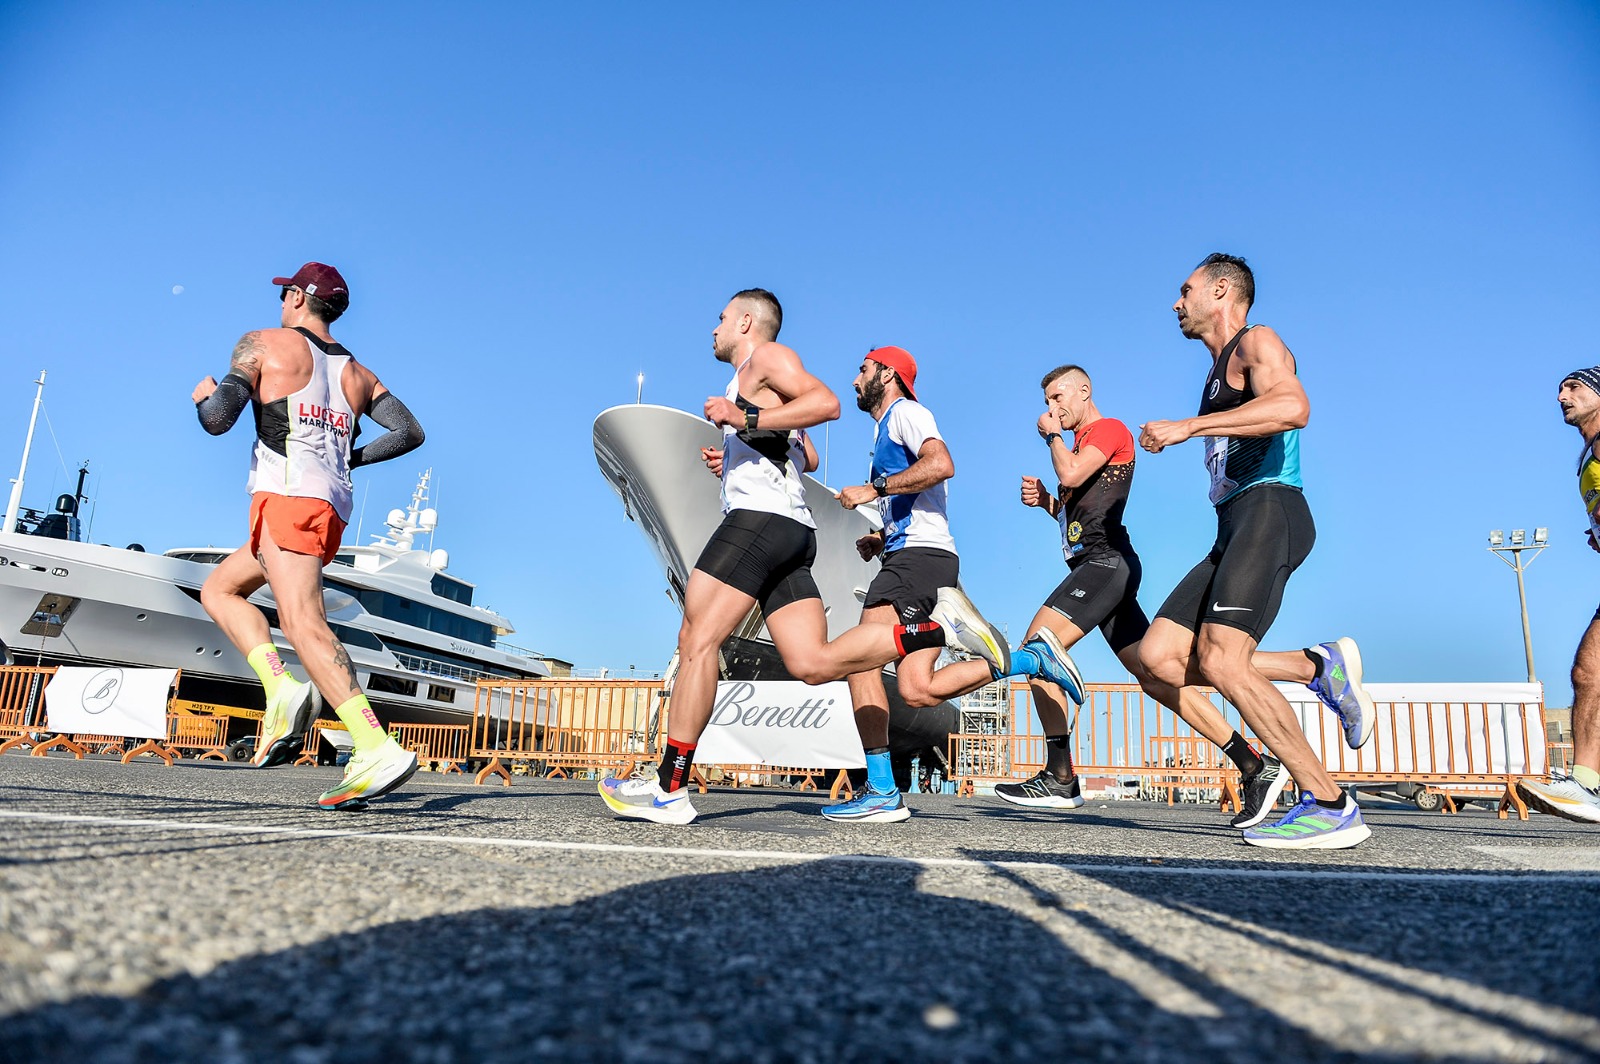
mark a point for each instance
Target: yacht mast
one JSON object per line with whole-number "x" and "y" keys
{"x": 15, "y": 505}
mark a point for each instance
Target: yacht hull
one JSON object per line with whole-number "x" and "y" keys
{"x": 651, "y": 457}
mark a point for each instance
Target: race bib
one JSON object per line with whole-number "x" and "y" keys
{"x": 1217, "y": 468}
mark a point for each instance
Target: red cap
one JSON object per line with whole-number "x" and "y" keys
{"x": 899, "y": 360}
{"x": 317, "y": 279}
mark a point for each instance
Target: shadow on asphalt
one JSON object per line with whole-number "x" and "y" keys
{"x": 1531, "y": 939}
{"x": 834, "y": 960}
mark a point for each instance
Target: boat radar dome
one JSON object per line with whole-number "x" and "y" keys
{"x": 439, "y": 559}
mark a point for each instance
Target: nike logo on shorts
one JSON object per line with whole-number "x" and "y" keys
{"x": 1225, "y": 609}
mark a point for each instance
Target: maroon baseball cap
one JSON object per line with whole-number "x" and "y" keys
{"x": 899, "y": 360}
{"x": 317, "y": 279}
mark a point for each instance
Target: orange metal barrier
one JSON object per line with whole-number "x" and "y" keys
{"x": 552, "y": 727}
{"x": 204, "y": 735}
{"x": 1126, "y": 739}
{"x": 442, "y": 745}
{"x": 22, "y": 703}
{"x": 313, "y": 743}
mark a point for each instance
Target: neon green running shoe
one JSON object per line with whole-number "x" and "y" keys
{"x": 370, "y": 774}
{"x": 283, "y": 727}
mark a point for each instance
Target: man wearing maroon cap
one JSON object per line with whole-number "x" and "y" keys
{"x": 309, "y": 392}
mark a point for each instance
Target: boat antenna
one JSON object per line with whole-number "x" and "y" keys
{"x": 16, "y": 485}
{"x": 434, "y": 499}
{"x": 826, "y": 425}
{"x": 366, "y": 490}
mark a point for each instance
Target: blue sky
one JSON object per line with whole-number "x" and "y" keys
{"x": 533, "y": 203}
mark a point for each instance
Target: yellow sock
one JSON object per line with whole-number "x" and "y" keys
{"x": 1587, "y": 776}
{"x": 365, "y": 731}
{"x": 269, "y": 667}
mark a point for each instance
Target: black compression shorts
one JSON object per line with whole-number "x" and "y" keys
{"x": 1102, "y": 592}
{"x": 1263, "y": 535}
{"x": 910, "y": 581}
{"x": 766, "y": 556}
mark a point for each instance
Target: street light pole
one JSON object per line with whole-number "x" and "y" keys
{"x": 1511, "y": 554}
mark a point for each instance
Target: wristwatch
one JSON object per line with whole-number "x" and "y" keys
{"x": 880, "y": 484}
{"x": 750, "y": 415}
{"x": 1051, "y": 436}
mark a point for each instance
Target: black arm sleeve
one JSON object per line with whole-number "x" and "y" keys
{"x": 403, "y": 437}
{"x": 219, "y": 410}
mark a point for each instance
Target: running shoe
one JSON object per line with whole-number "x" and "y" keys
{"x": 1260, "y": 792}
{"x": 284, "y": 725}
{"x": 1056, "y": 665}
{"x": 641, "y": 796}
{"x": 1338, "y": 685}
{"x": 370, "y": 773}
{"x": 1563, "y": 796}
{"x": 870, "y": 806}
{"x": 1042, "y": 791}
{"x": 1308, "y": 826}
{"x": 965, "y": 629}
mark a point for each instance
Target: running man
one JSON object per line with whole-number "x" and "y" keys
{"x": 1576, "y": 796}
{"x": 761, "y": 554}
{"x": 1251, "y": 410}
{"x": 906, "y": 481}
{"x": 308, "y": 394}
{"x": 1101, "y": 591}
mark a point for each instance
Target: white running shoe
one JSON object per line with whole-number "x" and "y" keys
{"x": 369, "y": 774}
{"x": 641, "y": 796}
{"x": 1563, "y": 796}
{"x": 965, "y": 629}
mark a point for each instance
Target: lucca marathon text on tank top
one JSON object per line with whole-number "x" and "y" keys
{"x": 302, "y": 446}
{"x": 1238, "y": 463}
{"x": 761, "y": 467}
{"x": 1091, "y": 514}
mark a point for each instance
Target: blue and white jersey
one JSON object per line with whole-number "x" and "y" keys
{"x": 922, "y": 519}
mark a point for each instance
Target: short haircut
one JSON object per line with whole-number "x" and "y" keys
{"x": 1236, "y": 270}
{"x": 328, "y": 310}
{"x": 768, "y": 311}
{"x": 1062, "y": 371}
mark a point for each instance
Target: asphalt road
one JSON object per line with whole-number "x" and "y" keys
{"x": 209, "y": 912}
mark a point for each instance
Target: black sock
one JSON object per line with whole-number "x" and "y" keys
{"x": 1240, "y": 754}
{"x": 913, "y": 637}
{"x": 1337, "y": 803}
{"x": 1058, "y": 757}
{"x": 676, "y": 760}
{"x": 1317, "y": 660}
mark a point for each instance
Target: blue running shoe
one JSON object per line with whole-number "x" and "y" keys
{"x": 870, "y": 805}
{"x": 1308, "y": 826}
{"x": 1338, "y": 685}
{"x": 1056, "y": 665}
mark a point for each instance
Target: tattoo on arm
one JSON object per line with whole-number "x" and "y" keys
{"x": 247, "y": 355}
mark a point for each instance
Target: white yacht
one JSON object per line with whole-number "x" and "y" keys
{"x": 418, "y": 642}
{"x": 651, "y": 457}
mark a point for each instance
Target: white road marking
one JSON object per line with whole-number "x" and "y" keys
{"x": 1547, "y": 858}
{"x": 1389, "y": 874}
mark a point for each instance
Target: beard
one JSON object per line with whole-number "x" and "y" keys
{"x": 724, "y": 352}
{"x": 870, "y": 395}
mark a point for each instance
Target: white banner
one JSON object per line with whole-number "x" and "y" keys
{"x": 782, "y": 722}
{"x": 109, "y": 701}
{"x": 1434, "y": 728}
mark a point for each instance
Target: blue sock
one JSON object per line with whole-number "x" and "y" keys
{"x": 1024, "y": 662}
{"x": 880, "y": 776}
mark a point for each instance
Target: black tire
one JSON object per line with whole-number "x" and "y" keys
{"x": 241, "y": 749}
{"x": 1428, "y": 801}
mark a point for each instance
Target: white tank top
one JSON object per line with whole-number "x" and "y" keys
{"x": 302, "y": 444}
{"x": 761, "y": 469}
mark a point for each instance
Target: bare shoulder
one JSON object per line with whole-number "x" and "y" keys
{"x": 1262, "y": 346}
{"x": 775, "y": 356}
{"x": 361, "y": 385}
